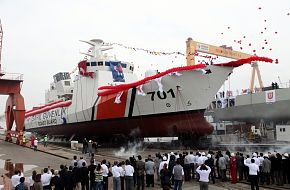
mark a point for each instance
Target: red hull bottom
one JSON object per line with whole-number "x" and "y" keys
{"x": 157, "y": 125}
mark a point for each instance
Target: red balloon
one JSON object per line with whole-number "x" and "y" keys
{"x": 262, "y": 32}
{"x": 266, "y": 42}
{"x": 260, "y": 8}
{"x": 244, "y": 36}
{"x": 276, "y": 61}
{"x": 229, "y": 27}
{"x": 254, "y": 51}
{"x": 234, "y": 40}
{"x": 250, "y": 44}
{"x": 222, "y": 33}
{"x": 288, "y": 14}
{"x": 276, "y": 32}
{"x": 241, "y": 48}
{"x": 265, "y": 28}
{"x": 265, "y": 20}
{"x": 270, "y": 49}
{"x": 263, "y": 48}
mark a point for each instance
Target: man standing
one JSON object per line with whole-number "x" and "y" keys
{"x": 105, "y": 170}
{"x": 116, "y": 171}
{"x": 253, "y": 174}
{"x": 15, "y": 179}
{"x": 222, "y": 167}
{"x": 45, "y": 138}
{"x": 129, "y": 171}
{"x": 21, "y": 185}
{"x": 45, "y": 178}
{"x": 149, "y": 169}
{"x": 266, "y": 169}
{"x": 140, "y": 169}
{"x": 85, "y": 146}
{"x": 178, "y": 175}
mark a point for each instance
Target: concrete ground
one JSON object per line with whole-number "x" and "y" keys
{"x": 54, "y": 156}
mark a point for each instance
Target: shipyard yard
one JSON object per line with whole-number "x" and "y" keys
{"x": 54, "y": 156}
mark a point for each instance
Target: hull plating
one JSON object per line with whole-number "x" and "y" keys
{"x": 169, "y": 124}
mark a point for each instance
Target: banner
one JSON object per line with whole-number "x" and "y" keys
{"x": 117, "y": 71}
{"x": 270, "y": 96}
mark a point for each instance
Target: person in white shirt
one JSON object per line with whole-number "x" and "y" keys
{"x": 15, "y": 179}
{"x": 105, "y": 174}
{"x": 191, "y": 163}
{"x": 164, "y": 160}
{"x": 45, "y": 178}
{"x": 253, "y": 174}
{"x": 121, "y": 167}
{"x": 187, "y": 168}
{"x": 129, "y": 171}
{"x": 32, "y": 178}
{"x": 116, "y": 171}
{"x": 257, "y": 161}
{"x": 203, "y": 172}
{"x": 80, "y": 162}
{"x": 201, "y": 159}
{"x": 75, "y": 159}
{"x": 35, "y": 144}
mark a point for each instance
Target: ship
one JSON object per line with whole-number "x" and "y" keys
{"x": 268, "y": 104}
{"x": 107, "y": 100}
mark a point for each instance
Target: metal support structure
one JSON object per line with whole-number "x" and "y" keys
{"x": 15, "y": 108}
{"x": 255, "y": 69}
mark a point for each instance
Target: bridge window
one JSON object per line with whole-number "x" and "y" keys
{"x": 124, "y": 65}
{"x": 67, "y": 83}
{"x": 100, "y": 63}
{"x": 88, "y": 64}
{"x": 93, "y": 63}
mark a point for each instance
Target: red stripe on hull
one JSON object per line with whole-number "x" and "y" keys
{"x": 170, "y": 124}
{"x": 108, "y": 109}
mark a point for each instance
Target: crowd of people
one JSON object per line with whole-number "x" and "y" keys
{"x": 171, "y": 169}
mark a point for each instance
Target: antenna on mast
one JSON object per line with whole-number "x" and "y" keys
{"x": 1, "y": 39}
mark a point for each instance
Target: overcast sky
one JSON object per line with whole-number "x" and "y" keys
{"x": 41, "y": 37}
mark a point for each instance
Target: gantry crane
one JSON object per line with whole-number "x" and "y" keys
{"x": 10, "y": 84}
{"x": 194, "y": 47}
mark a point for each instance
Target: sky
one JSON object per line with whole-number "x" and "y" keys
{"x": 41, "y": 37}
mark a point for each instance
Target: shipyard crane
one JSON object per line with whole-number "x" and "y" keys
{"x": 10, "y": 84}
{"x": 223, "y": 51}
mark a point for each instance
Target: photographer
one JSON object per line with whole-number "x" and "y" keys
{"x": 203, "y": 172}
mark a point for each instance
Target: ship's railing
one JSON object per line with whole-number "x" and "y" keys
{"x": 12, "y": 76}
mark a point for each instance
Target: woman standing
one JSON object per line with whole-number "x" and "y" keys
{"x": 233, "y": 167}
{"x": 203, "y": 172}
{"x": 37, "y": 185}
{"x": 99, "y": 178}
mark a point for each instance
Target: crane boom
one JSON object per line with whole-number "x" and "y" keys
{"x": 223, "y": 51}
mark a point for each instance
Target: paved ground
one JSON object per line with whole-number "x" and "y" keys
{"x": 54, "y": 156}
